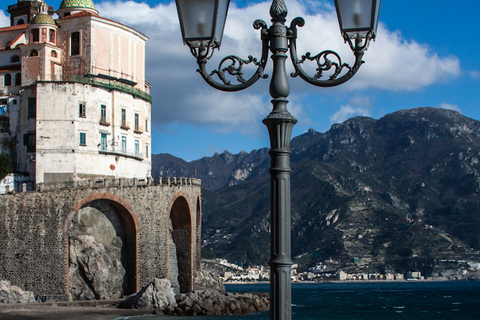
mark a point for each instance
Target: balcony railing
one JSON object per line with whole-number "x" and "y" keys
{"x": 111, "y": 85}
{"x": 120, "y": 151}
{"x": 138, "y": 129}
{"x": 103, "y": 121}
{"x": 125, "y": 125}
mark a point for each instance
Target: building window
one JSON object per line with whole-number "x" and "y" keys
{"x": 146, "y": 151}
{"x": 52, "y": 36}
{"x": 137, "y": 122}
{"x": 81, "y": 110}
{"x": 20, "y": 21}
{"x": 29, "y": 141}
{"x": 75, "y": 43}
{"x": 33, "y": 53}
{"x": 4, "y": 124}
{"x": 103, "y": 142}
{"x": 53, "y": 54}
{"x": 7, "y": 80}
{"x": 103, "y": 114}
{"x": 124, "y": 144}
{"x": 83, "y": 138}
{"x": 146, "y": 125}
{"x": 32, "y": 107}
{"x": 15, "y": 58}
{"x": 18, "y": 79}
{"x": 137, "y": 148}
{"x": 35, "y": 35}
{"x": 124, "y": 119}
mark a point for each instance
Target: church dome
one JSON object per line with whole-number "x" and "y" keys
{"x": 77, "y": 4}
{"x": 42, "y": 18}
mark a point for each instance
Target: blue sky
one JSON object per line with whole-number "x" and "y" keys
{"x": 425, "y": 55}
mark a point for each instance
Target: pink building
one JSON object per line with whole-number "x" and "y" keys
{"x": 74, "y": 101}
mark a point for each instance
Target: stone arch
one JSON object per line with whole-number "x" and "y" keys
{"x": 180, "y": 242}
{"x": 126, "y": 226}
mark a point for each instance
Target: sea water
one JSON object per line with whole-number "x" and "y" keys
{"x": 412, "y": 300}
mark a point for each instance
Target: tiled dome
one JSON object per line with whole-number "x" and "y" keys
{"x": 42, "y": 18}
{"x": 77, "y": 4}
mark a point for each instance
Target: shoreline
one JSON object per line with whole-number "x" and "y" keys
{"x": 55, "y": 311}
{"x": 352, "y": 281}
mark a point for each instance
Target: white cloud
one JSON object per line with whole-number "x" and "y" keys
{"x": 449, "y": 106}
{"x": 475, "y": 74}
{"x": 347, "y": 112}
{"x": 180, "y": 94}
{"x": 4, "y": 19}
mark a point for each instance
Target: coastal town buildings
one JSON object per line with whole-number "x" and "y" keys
{"x": 82, "y": 217}
{"x": 74, "y": 102}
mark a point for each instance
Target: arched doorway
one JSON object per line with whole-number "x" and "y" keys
{"x": 180, "y": 245}
{"x": 102, "y": 248}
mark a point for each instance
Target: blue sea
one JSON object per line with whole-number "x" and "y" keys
{"x": 452, "y": 300}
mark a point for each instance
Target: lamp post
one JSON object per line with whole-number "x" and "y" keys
{"x": 202, "y": 23}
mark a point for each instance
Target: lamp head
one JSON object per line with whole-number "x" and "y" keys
{"x": 202, "y": 21}
{"x": 358, "y": 18}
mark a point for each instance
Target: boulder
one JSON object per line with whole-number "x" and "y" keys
{"x": 158, "y": 294}
{"x": 96, "y": 271}
{"x": 13, "y": 294}
{"x": 207, "y": 280}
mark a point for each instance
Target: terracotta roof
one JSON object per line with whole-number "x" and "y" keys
{"x": 13, "y": 28}
{"x": 78, "y": 15}
{"x": 12, "y": 43}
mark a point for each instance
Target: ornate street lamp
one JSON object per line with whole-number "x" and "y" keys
{"x": 202, "y": 23}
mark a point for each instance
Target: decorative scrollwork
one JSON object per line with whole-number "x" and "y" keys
{"x": 233, "y": 65}
{"x": 326, "y": 60}
{"x": 235, "y": 70}
{"x": 325, "y": 64}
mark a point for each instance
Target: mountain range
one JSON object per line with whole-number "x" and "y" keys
{"x": 400, "y": 193}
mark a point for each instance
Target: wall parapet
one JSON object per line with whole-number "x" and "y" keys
{"x": 119, "y": 182}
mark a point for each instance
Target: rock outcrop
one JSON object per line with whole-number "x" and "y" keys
{"x": 96, "y": 271}
{"x": 208, "y": 298}
{"x": 156, "y": 295}
{"x": 13, "y": 294}
{"x": 210, "y": 302}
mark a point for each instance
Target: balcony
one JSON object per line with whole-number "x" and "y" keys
{"x": 138, "y": 129}
{"x": 103, "y": 122}
{"x": 125, "y": 125}
{"x": 119, "y": 151}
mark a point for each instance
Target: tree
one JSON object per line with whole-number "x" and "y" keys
{"x": 6, "y": 165}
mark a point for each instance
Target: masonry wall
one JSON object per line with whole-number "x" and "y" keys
{"x": 34, "y": 228}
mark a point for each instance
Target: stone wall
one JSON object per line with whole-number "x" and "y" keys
{"x": 35, "y": 227}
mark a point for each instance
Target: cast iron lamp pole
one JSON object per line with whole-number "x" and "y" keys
{"x": 202, "y": 23}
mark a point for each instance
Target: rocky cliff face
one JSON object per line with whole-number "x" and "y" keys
{"x": 398, "y": 193}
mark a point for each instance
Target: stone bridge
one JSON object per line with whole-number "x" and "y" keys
{"x": 95, "y": 239}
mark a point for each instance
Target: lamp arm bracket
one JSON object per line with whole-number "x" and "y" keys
{"x": 327, "y": 61}
{"x": 233, "y": 66}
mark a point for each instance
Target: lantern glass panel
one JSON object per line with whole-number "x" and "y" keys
{"x": 202, "y": 21}
{"x": 358, "y": 16}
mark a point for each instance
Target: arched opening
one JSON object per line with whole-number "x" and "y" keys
{"x": 18, "y": 79}
{"x": 33, "y": 53}
{"x": 20, "y": 21}
{"x": 15, "y": 58}
{"x": 53, "y": 54}
{"x": 102, "y": 249}
{"x": 180, "y": 246}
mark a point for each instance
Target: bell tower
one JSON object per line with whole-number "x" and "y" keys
{"x": 25, "y": 10}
